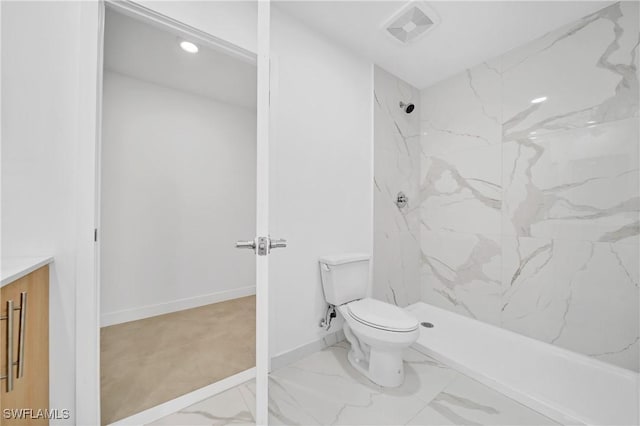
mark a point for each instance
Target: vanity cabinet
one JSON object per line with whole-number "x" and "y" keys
{"x": 24, "y": 342}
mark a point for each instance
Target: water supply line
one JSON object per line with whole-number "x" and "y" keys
{"x": 328, "y": 317}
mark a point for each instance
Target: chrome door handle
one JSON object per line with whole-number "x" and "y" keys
{"x": 246, "y": 244}
{"x": 262, "y": 245}
{"x": 277, "y": 244}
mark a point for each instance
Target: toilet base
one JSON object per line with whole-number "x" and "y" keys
{"x": 383, "y": 368}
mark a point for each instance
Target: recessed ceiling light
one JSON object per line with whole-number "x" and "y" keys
{"x": 187, "y": 46}
{"x": 591, "y": 122}
{"x": 539, "y": 100}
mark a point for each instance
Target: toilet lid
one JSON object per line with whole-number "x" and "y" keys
{"x": 382, "y": 315}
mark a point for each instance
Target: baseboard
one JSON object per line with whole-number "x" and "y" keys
{"x": 119, "y": 317}
{"x": 286, "y": 358}
{"x": 159, "y": 411}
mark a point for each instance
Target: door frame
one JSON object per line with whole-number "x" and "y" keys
{"x": 87, "y": 303}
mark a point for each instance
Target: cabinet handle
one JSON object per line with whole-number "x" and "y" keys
{"x": 9, "y": 345}
{"x": 21, "y": 339}
{"x": 21, "y": 336}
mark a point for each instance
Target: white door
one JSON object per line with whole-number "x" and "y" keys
{"x": 262, "y": 244}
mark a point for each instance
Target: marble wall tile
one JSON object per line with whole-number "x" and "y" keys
{"x": 587, "y": 70}
{"x": 462, "y": 190}
{"x": 580, "y": 295}
{"x": 399, "y": 283}
{"x": 532, "y": 221}
{"x": 396, "y": 168}
{"x": 578, "y": 184}
{"x": 463, "y": 112}
{"x": 462, "y": 272}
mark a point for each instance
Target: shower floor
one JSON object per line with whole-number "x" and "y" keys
{"x": 150, "y": 361}
{"x": 323, "y": 389}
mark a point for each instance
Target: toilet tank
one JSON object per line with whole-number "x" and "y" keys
{"x": 345, "y": 277}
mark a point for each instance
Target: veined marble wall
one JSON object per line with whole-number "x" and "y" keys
{"x": 396, "y": 248}
{"x": 530, "y": 211}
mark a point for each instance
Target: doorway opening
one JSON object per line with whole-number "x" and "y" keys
{"x": 177, "y": 187}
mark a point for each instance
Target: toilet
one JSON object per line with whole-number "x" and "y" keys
{"x": 377, "y": 331}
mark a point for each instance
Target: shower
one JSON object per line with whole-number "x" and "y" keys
{"x": 408, "y": 108}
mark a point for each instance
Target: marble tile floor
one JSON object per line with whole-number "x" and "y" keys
{"x": 323, "y": 389}
{"x": 150, "y": 361}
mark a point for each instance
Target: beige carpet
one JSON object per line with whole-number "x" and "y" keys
{"x": 147, "y": 362}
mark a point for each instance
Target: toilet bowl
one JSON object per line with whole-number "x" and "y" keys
{"x": 377, "y": 331}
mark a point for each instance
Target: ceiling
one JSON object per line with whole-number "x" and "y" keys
{"x": 147, "y": 52}
{"x": 469, "y": 32}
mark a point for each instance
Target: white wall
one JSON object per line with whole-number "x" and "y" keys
{"x": 40, "y": 89}
{"x": 178, "y": 189}
{"x": 321, "y": 171}
{"x": 234, "y": 21}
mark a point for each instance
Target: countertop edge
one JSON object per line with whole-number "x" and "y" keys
{"x": 30, "y": 265}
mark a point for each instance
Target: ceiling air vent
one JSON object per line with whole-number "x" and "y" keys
{"x": 414, "y": 20}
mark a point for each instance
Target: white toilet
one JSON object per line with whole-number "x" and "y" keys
{"x": 378, "y": 332}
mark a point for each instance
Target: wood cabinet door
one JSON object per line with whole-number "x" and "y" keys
{"x": 31, "y": 391}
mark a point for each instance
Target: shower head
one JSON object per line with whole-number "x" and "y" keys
{"x": 407, "y": 108}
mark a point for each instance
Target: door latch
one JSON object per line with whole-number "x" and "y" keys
{"x": 263, "y": 246}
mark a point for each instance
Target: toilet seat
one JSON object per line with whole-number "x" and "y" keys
{"x": 381, "y": 315}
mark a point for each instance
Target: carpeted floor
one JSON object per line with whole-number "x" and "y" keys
{"x": 150, "y": 361}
